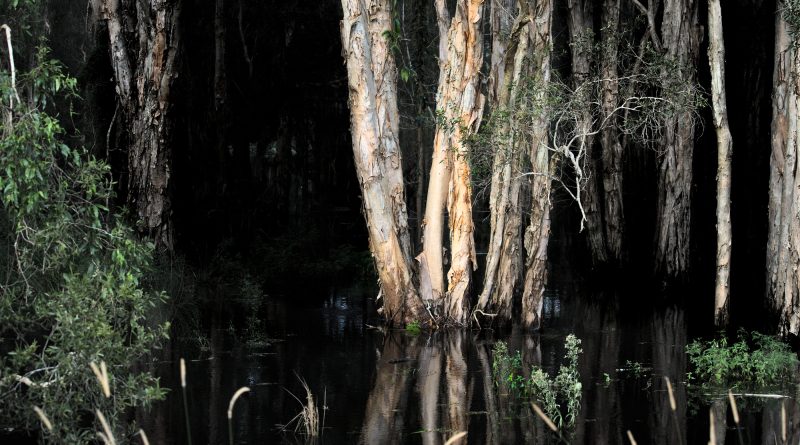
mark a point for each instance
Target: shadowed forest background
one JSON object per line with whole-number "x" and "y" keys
{"x": 413, "y": 202}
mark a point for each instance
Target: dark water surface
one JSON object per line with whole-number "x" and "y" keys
{"x": 395, "y": 387}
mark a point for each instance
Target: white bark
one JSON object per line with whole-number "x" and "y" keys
{"x": 372, "y": 78}
{"x": 716, "y": 60}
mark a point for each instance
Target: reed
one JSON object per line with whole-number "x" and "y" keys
{"x": 712, "y": 430}
{"x": 185, "y": 405}
{"x": 455, "y": 437}
{"x": 102, "y": 377}
{"x": 783, "y": 421}
{"x": 308, "y": 417}
{"x": 735, "y": 411}
{"x": 107, "y": 435}
{"x": 145, "y": 441}
{"x": 630, "y": 438}
{"x": 43, "y": 417}
{"x": 673, "y": 405}
{"x": 231, "y": 404}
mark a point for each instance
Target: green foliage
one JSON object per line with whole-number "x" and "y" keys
{"x": 791, "y": 13}
{"x": 754, "y": 361}
{"x": 414, "y": 328}
{"x": 559, "y": 397}
{"x": 71, "y": 274}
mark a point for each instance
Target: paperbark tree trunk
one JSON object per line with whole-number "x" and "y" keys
{"x": 459, "y": 107}
{"x": 372, "y": 80}
{"x": 581, "y": 23}
{"x": 144, "y": 42}
{"x": 431, "y": 267}
{"x": 504, "y": 253}
{"x": 680, "y": 41}
{"x": 716, "y": 60}
{"x": 537, "y": 234}
{"x": 783, "y": 244}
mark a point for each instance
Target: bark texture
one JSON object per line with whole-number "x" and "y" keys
{"x": 716, "y": 59}
{"x": 459, "y": 106}
{"x": 680, "y": 41}
{"x": 504, "y": 253}
{"x": 372, "y": 80}
{"x": 537, "y": 234}
{"x": 611, "y": 157}
{"x": 145, "y": 42}
{"x": 783, "y": 243}
{"x": 581, "y": 24}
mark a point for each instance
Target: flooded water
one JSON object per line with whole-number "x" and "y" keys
{"x": 377, "y": 387}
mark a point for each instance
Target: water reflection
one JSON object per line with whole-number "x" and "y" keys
{"x": 395, "y": 387}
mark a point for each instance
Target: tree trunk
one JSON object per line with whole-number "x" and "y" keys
{"x": 716, "y": 60}
{"x": 609, "y": 137}
{"x": 504, "y": 253}
{"x": 783, "y": 244}
{"x": 372, "y": 80}
{"x": 680, "y": 40}
{"x": 431, "y": 266}
{"x": 459, "y": 106}
{"x": 537, "y": 234}
{"x": 143, "y": 91}
{"x": 580, "y": 23}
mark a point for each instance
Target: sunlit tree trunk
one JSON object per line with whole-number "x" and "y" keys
{"x": 431, "y": 267}
{"x": 504, "y": 253}
{"x": 680, "y": 40}
{"x": 716, "y": 58}
{"x": 783, "y": 244}
{"x": 537, "y": 234}
{"x": 144, "y": 43}
{"x": 372, "y": 78}
{"x": 459, "y": 104}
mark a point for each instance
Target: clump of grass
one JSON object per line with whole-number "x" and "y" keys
{"x": 307, "y": 421}
{"x": 754, "y": 361}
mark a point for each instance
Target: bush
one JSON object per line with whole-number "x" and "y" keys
{"x": 70, "y": 271}
{"x": 559, "y": 397}
{"x": 754, "y": 361}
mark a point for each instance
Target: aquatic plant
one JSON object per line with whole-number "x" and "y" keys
{"x": 753, "y": 361}
{"x": 559, "y": 396}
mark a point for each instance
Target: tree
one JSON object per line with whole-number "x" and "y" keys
{"x": 679, "y": 41}
{"x": 783, "y": 243}
{"x": 459, "y": 107}
{"x": 372, "y": 80}
{"x": 716, "y": 59}
{"x": 144, "y": 42}
{"x": 518, "y": 131}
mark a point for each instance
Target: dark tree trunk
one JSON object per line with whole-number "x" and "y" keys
{"x": 680, "y": 39}
{"x": 144, "y": 42}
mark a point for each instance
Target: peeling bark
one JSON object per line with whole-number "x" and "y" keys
{"x": 680, "y": 41}
{"x": 372, "y": 80}
{"x": 504, "y": 253}
{"x": 783, "y": 244}
{"x": 143, "y": 91}
{"x": 716, "y": 59}
{"x": 537, "y": 234}
{"x": 459, "y": 106}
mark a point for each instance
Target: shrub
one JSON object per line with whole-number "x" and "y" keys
{"x": 71, "y": 274}
{"x": 753, "y": 361}
{"x": 559, "y": 397}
